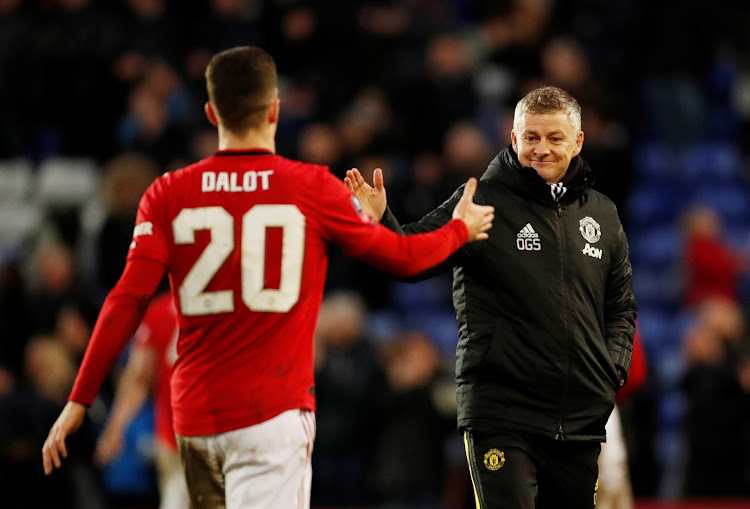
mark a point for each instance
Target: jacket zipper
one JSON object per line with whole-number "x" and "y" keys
{"x": 560, "y": 435}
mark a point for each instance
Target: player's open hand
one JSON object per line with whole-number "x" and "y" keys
{"x": 372, "y": 197}
{"x": 478, "y": 218}
{"x": 70, "y": 420}
{"x": 108, "y": 446}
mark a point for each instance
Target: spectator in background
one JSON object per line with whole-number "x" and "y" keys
{"x": 422, "y": 190}
{"x": 75, "y": 39}
{"x": 57, "y": 296}
{"x": 566, "y": 64}
{"x": 156, "y": 120}
{"x": 419, "y": 414}
{"x": 447, "y": 82}
{"x": 28, "y": 405}
{"x": 14, "y": 319}
{"x": 349, "y": 387}
{"x": 321, "y": 144}
{"x": 16, "y": 34}
{"x": 718, "y": 401}
{"x": 465, "y": 149}
{"x": 148, "y": 371}
{"x": 151, "y": 29}
{"x": 711, "y": 268}
{"x": 126, "y": 177}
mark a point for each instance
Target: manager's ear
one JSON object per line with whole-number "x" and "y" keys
{"x": 514, "y": 141}
{"x": 579, "y": 144}
{"x": 210, "y": 113}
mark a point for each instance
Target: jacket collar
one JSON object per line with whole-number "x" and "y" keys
{"x": 507, "y": 170}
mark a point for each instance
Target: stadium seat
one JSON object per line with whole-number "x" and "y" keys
{"x": 656, "y": 328}
{"x": 440, "y": 325}
{"x": 656, "y": 248}
{"x": 710, "y": 162}
{"x": 669, "y": 365}
{"x": 67, "y": 181}
{"x": 382, "y": 325}
{"x": 655, "y": 204}
{"x": 671, "y": 409}
{"x": 17, "y": 222}
{"x": 16, "y": 180}
{"x": 657, "y": 288}
{"x": 425, "y": 295}
{"x": 732, "y": 201}
{"x": 657, "y": 162}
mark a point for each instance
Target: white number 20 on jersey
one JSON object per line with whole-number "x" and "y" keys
{"x": 195, "y": 301}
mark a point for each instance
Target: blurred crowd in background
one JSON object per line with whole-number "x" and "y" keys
{"x": 101, "y": 96}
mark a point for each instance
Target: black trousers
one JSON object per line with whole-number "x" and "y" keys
{"x": 526, "y": 471}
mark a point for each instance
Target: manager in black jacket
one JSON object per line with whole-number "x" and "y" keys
{"x": 545, "y": 313}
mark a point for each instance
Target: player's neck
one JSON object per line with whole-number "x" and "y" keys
{"x": 255, "y": 138}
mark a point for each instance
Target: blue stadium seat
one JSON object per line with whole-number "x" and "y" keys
{"x": 712, "y": 162}
{"x": 669, "y": 365}
{"x": 657, "y": 162}
{"x": 383, "y": 325}
{"x": 657, "y": 288}
{"x": 655, "y": 204}
{"x": 671, "y": 410}
{"x": 732, "y": 201}
{"x": 656, "y": 328}
{"x": 425, "y": 295}
{"x": 656, "y": 248}
{"x": 440, "y": 325}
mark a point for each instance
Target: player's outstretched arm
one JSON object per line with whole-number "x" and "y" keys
{"x": 119, "y": 317}
{"x": 373, "y": 197}
{"x": 478, "y": 218}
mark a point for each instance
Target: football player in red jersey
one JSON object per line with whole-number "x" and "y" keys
{"x": 243, "y": 236}
{"x": 148, "y": 369}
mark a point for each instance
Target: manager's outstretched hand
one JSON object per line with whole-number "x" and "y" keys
{"x": 69, "y": 421}
{"x": 478, "y": 218}
{"x": 372, "y": 198}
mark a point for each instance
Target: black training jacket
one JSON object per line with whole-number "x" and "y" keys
{"x": 545, "y": 310}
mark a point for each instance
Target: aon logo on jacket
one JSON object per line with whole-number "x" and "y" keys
{"x": 592, "y": 251}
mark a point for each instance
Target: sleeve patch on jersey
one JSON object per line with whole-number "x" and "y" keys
{"x": 359, "y": 209}
{"x": 146, "y": 228}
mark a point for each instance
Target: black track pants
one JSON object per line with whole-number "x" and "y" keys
{"x": 519, "y": 471}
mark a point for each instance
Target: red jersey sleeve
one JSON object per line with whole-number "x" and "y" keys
{"x": 345, "y": 224}
{"x": 150, "y": 235}
{"x": 120, "y": 315}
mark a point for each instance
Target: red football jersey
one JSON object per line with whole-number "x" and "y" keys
{"x": 159, "y": 331}
{"x": 244, "y": 237}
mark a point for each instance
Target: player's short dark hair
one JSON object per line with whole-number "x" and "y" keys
{"x": 241, "y": 82}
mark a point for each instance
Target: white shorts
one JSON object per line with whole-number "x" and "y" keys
{"x": 172, "y": 488}
{"x": 614, "y": 491}
{"x": 262, "y": 466}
